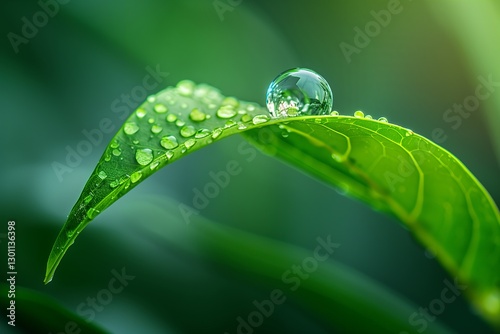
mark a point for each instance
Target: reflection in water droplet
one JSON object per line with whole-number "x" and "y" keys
{"x": 130, "y": 128}
{"x": 169, "y": 142}
{"x": 136, "y": 176}
{"x": 260, "y": 119}
{"x": 140, "y": 113}
{"x": 299, "y": 91}
{"x": 226, "y": 111}
{"x": 160, "y": 108}
{"x": 102, "y": 175}
{"x": 185, "y": 87}
{"x": 171, "y": 118}
{"x": 144, "y": 156}
{"x": 202, "y": 133}
{"x": 187, "y": 131}
{"x": 196, "y": 115}
{"x": 189, "y": 143}
{"x": 383, "y": 119}
{"x": 359, "y": 114}
{"x": 156, "y": 129}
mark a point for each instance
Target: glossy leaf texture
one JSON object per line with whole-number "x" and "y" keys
{"x": 389, "y": 167}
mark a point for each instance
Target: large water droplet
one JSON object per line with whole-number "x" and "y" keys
{"x": 299, "y": 91}
{"x": 144, "y": 156}
{"x": 169, "y": 142}
{"x": 187, "y": 131}
{"x": 130, "y": 128}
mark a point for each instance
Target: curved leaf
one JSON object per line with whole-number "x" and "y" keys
{"x": 387, "y": 166}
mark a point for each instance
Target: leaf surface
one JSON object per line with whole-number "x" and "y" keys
{"x": 386, "y": 166}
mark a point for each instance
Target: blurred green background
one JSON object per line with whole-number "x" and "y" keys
{"x": 68, "y": 77}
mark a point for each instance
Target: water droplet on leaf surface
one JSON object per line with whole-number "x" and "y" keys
{"x": 359, "y": 114}
{"x": 130, "y": 128}
{"x": 169, "y": 142}
{"x": 226, "y": 111}
{"x": 188, "y": 131}
{"x": 197, "y": 115}
{"x": 260, "y": 119}
{"x": 136, "y": 176}
{"x": 297, "y": 92}
{"x": 160, "y": 108}
{"x": 144, "y": 156}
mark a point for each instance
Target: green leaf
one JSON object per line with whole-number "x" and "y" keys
{"x": 36, "y": 312}
{"x": 387, "y": 166}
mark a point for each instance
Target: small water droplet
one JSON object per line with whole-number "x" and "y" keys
{"x": 334, "y": 113}
{"x": 187, "y": 131}
{"x": 136, "y": 176}
{"x": 260, "y": 119}
{"x": 160, "y": 108}
{"x": 144, "y": 156}
{"x": 368, "y": 117}
{"x": 130, "y": 128}
{"x": 359, "y": 114}
{"x": 189, "y": 143}
{"x": 151, "y": 120}
{"x": 102, "y": 175}
{"x": 185, "y": 87}
{"x": 299, "y": 91}
{"x": 151, "y": 98}
{"x": 180, "y": 122}
{"x": 409, "y": 133}
{"x": 246, "y": 118}
{"x": 202, "y": 133}
{"x": 140, "y": 113}
{"x": 241, "y": 126}
{"x": 169, "y": 142}
{"x": 117, "y": 152}
{"x": 216, "y": 133}
{"x": 91, "y": 213}
{"x": 114, "y": 184}
{"x": 114, "y": 143}
{"x": 154, "y": 165}
{"x": 250, "y": 107}
{"x": 156, "y": 129}
{"x": 169, "y": 154}
{"x": 230, "y": 101}
{"x": 230, "y": 123}
{"x": 383, "y": 119}
{"x": 226, "y": 111}
{"x": 107, "y": 157}
{"x": 196, "y": 115}
{"x": 88, "y": 198}
{"x": 171, "y": 118}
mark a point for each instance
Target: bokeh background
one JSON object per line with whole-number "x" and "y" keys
{"x": 65, "y": 79}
